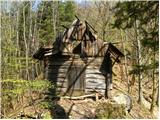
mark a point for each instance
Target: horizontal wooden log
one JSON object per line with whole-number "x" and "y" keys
{"x": 79, "y": 97}
{"x": 54, "y": 78}
{"x": 88, "y": 91}
{"x": 93, "y": 71}
{"x": 59, "y": 63}
{"x": 63, "y": 62}
{"x": 97, "y": 76}
{"x": 95, "y": 85}
{"x": 95, "y": 64}
{"x": 54, "y": 75}
{"x": 93, "y": 67}
{"x": 62, "y": 84}
{"x": 58, "y": 67}
{"x": 54, "y": 70}
{"x": 95, "y": 80}
{"x": 51, "y": 66}
{"x": 58, "y": 80}
{"x": 61, "y": 90}
{"x": 99, "y": 59}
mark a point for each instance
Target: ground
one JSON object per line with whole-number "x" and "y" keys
{"x": 86, "y": 108}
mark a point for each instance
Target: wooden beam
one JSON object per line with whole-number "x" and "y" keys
{"x": 105, "y": 43}
{"x": 76, "y": 17}
{"x": 115, "y": 61}
{"x": 65, "y": 27}
{"x": 79, "y": 97}
{"x": 90, "y": 26}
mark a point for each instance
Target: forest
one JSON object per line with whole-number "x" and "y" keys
{"x": 28, "y": 26}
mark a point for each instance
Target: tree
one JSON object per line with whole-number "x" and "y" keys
{"x": 45, "y": 23}
{"x": 66, "y": 14}
{"x": 143, "y": 17}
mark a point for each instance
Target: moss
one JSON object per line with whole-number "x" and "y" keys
{"x": 110, "y": 111}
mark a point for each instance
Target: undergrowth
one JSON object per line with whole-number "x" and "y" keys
{"x": 13, "y": 92}
{"x": 110, "y": 111}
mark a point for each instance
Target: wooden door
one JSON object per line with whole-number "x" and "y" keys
{"x": 76, "y": 80}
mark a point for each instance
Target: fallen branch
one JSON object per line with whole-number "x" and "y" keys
{"x": 79, "y": 97}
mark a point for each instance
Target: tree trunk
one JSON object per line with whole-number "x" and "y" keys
{"x": 25, "y": 42}
{"x": 125, "y": 61}
{"x": 153, "y": 95}
{"x": 17, "y": 46}
{"x": 154, "y": 86}
{"x": 140, "y": 94}
{"x": 157, "y": 101}
{"x": 54, "y": 18}
{"x": 30, "y": 76}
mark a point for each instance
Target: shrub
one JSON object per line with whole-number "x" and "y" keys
{"x": 110, "y": 111}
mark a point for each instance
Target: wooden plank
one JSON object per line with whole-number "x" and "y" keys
{"x": 61, "y": 89}
{"x": 62, "y": 84}
{"x": 78, "y": 62}
{"x": 92, "y": 71}
{"x": 51, "y": 65}
{"x": 95, "y": 75}
{"x": 95, "y": 80}
{"x": 55, "y": 77}
{"x": 59, "y": 75}
{"x": 96, "y": 59}
{"x": 92, "y": 67}
{"x": 94, "y": 63}
{"x": 54, "y": 70}
{"x": 59, "y": 63}
{"x": 58, "y": 81}
{"x": 95, "y": 85}
{"x": 88, "y": 91}
{"x": 58, "y": 67}
{"x": 79, "y": 97}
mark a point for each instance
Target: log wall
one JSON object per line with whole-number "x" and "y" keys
{"x": 88, "y": 73}
{"x": 94, "y": 79}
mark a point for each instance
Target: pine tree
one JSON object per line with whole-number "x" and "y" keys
{"x": 45, "y": 22}
{"x": 66, "y": 14}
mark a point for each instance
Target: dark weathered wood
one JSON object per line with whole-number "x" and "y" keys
{"x": 59, "y": 75}
{"x": 60, "y": 80}
{"x": 86, "y": 64}
{"x": 58, "y": 70}
{"x": 95, "y": 78}
{"x": 67, "y": 63}
{"x": 51, "y": 67}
